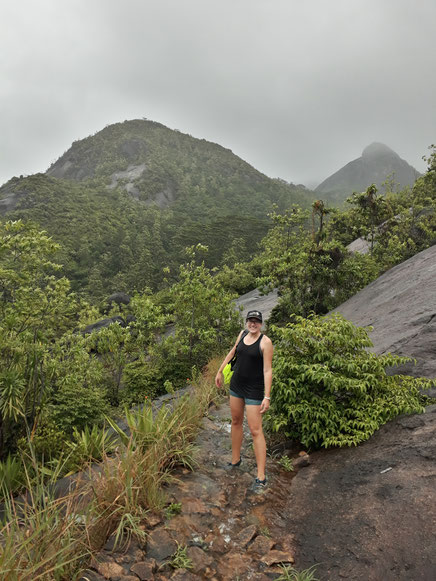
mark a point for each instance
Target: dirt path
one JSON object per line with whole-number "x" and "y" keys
{"x": 366, "y": 513}
{"x": 230, "y": 532}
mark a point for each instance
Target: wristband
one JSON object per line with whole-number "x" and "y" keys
{"x": 266, "y": 397}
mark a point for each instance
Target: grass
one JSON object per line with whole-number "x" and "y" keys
{"x": 49, "y": 539}
{"x": 11, "y": 474}
{"x": 290, "y": 574}
{"x": 180, "y": 559}
{"x": 42, "y": 537}
{"x": 265, "y": 532}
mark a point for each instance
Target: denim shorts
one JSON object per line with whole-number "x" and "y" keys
{"x": 247, "y": 400}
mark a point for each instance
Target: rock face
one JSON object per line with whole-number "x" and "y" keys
{"x": 254, "y": 300}
{"x": 369, "y": 512}
{"x": 401, "y": 307}
{"x": 377, "y": 162}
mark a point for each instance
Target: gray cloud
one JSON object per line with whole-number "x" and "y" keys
{"x": 295, "y": 88}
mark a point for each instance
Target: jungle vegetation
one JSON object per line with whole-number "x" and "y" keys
{"x": 57, "y": 382}
{"x": 72, "y": 240}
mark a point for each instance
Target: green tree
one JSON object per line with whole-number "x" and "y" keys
{"x": 372, "y": 209}
{"x": 36, "y": 310}
{"x": 312, "y": 273}
{"x": 205, "y": 318}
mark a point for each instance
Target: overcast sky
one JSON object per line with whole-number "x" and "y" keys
{"x": 296, "y": 88}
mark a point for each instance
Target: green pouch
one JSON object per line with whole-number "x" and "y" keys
{"x": 227, "y": 372}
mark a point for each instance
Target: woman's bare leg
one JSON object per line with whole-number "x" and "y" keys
{"x": 254, "y": 419}
{"x": 237, "y": 406}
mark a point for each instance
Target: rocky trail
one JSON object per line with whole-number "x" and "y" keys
{"x": 230, "y": 532}
{"x": 366, "y": 513}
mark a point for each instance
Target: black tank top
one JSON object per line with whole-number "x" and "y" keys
{"x": 247, "y": 379}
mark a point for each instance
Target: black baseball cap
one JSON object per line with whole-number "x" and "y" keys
{"x": 254, "y": 315}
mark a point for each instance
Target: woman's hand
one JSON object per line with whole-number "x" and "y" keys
{"x": 219, "y": 379}
{"x": 264, "y": 406}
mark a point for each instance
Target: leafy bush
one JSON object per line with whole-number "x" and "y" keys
{"x": 141, "y": 380}
{"x": 205, "y": 316}
{"x": 329, "y": 390}
{"x": 48, "y": 441}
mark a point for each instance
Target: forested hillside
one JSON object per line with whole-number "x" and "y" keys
{"x": 124, "y": 204}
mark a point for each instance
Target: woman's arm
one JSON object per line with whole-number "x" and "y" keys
{"x": 267, "y": 349}
{"x": 219, "y": 376}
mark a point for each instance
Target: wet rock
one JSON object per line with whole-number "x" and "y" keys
{"x": 183, "y": 527}
{"x": 184, "y": 575}
{"x": 127, "y": 578}
{"x": 245, "y": 536}
{"x": 160, "y": 545}
{"x": 144, "y": 569}
{"x": 107, "y": 567}
{"x": 118, "y": 298}
{"x": 200, "y": 559}
{"x": 110, "y": 545}
{"x": 152, "y": 520}
{"x": 301, "y": 461}
{"x": 261, "y": 545}
{"x": 364, "y": 507}
{"x": 233, "y": 566}
{"x": 103, "y": 323}
{"x": 275, "y": 557}
{"x": 216, "y": 512}
{"x": 89, "y": 575}
{"x": 400, "y": 307}
{"x": 208, "y": 424}
{"x": 193, "y": 505}
{"x": 217, "y": 542}
{"x": 288, "y": 543}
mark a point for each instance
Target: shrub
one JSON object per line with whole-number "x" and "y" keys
{"x": 329, "y": 390}
{"x": 93, "y": 443}
{"x": 47, "y": 442}
{"x": 11, "y": 475}
{"x": 140, "y": 379}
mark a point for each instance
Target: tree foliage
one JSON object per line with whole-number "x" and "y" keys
{"x": 329, "y": 390}
{"x": 38, "y": 355}
{"x": 205, "y": 319}
{"x": 312, "y": 273}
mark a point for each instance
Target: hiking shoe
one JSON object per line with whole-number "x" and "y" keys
{"x": 230, "y": 466}
{"x": 259, "y": 485}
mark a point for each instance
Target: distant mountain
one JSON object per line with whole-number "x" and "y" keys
{"x": 162, "y": 166}
{"x": 125, "y": 202}
{"x": 377, "y": 163}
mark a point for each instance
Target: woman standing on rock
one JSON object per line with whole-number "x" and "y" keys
{"x": 250, "y": 390}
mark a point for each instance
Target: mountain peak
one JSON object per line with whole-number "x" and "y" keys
{"x": 377, "y": 149}
{"x": 377, "y": 163}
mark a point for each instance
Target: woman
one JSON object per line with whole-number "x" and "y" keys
{"x": 250, "y": 389}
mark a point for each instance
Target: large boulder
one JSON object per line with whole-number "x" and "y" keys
{"x": 103, "y": 323}
{"x": 369, "y": 512}
{"x": 119, "y": 298}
